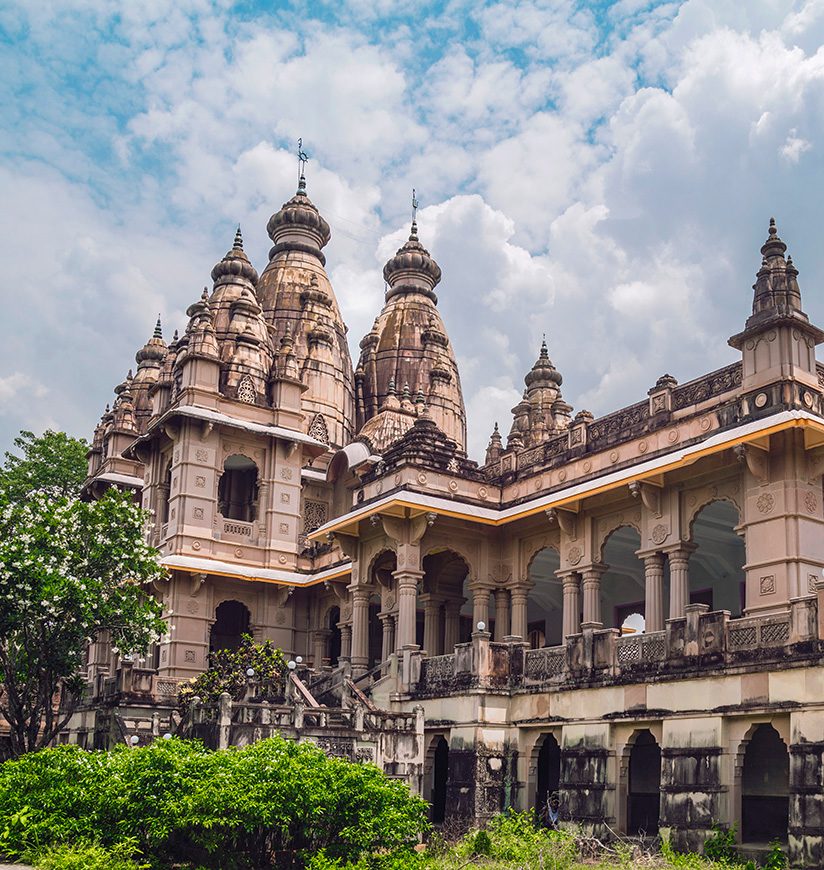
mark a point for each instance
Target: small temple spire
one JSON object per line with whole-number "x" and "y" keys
{"x": 238, "y": 243}
{"x": 158, "y": 330}
{"x": 303, "y": 159}
{"x": 413, "y": 233}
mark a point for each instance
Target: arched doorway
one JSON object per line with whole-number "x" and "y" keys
{"x": 644, "y": 787}
{"x": 545, "y": 605}
{"x": 622, "y": 584}
{"x": 765, "y": 780}
{"x": 231, "y": 623}
{"x": 548, "y": 775}
{"x": 333, "y": 648}
{"x": 439, "y": 619}
{"x": 375, "y": 649}
{"x": 716, "y": 568}
{"x": 440, "y": 776}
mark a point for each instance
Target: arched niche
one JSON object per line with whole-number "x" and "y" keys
{"x": 643, "y": 784}
{"x": 547, "y": 762}
{"x": 765, "y": 786}
{"x": 238, "y": 488}
{"x": 438, "y": 764}
{"x": 716, "y": 566}
{"x": 545, "y": 604}
{"x": 446, "y": 573}
{"x": 232, "y": 620}
{"x": 622, "y": 584}
{"x": 333, "y": 644}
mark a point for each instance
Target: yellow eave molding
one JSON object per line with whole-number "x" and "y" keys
{"x": 652, "y": 471}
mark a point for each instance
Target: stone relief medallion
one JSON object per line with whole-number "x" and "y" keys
{"x": 811, "y": 502}
{"x": 613, "y": 456}
{"x": 587, "y": 466}
{"x": 284, "y": 528}
{"x": 750, "y": 344}
{"x": 238, "y": 552}
{"x": 422, "y": 478}
{"x": 562, "y": 475}
{"x": 643, "y": 446}
{"x": 390, "y": 602}
{"x": 379, "y": 487}
{"x": 765, "y": 503}
{"x": 286, "y": 473}
{"x": 692, "y": 501}
{"x": 190, "y": 655}
{"x": 201, "y": 455}
{"x": 761, "y": 400}
{"x": 482, "y": 492}
{"x": 346, "y": 612}
{"x": 771, "y": 335}
{"x": 659, "y": 534}
{"x": 539, "y": 482}
{"x": 453, "y": 485}
{"x": 285, "y": 498}
{"x": 672, "y": 436}
{"x": 192, "y": 606}
{"x": 397, "y": 479}
{"x": 516, "y": 491}
{"x": 767, "y": 584}
{"x": 807, "y": 399}
{"x": 200, "y": 481}
{"x": 282, "y": 559}
{"x": 574, "y": 556}
{"x": 197, "y": 513}
{"x": 705, "y": 423}
{"x": 812, "y": 583}
{"x": 195, "y": 545}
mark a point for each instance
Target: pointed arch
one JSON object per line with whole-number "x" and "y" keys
{"x": 319, "y": 429}
{"x": 246, "y": 391}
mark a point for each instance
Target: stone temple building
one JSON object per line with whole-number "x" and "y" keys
{"x": 623, "y": 612}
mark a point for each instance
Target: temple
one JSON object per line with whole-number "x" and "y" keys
{"x": 623, "y": 615}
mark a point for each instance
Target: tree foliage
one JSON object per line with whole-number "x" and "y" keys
{"x": 69, "y": 570}
{"x": 228, "y": 673}
{"x": 270, "y": 805}
{"x": 53, "y": 461}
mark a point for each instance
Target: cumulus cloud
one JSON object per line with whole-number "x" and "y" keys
{"x": 604, "y": 179}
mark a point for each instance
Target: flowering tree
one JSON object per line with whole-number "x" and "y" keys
{"x": 53, "y": 460}
{"x": 68, "y": 570}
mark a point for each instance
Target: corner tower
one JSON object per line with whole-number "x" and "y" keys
{"x": 408, "y": 349}
{"x": 295, "y": 293}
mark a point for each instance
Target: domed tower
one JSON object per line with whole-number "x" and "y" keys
{"x": 408, "y": 345}
{"x": 294, "y": 289}
{"x": 149, "y": 361}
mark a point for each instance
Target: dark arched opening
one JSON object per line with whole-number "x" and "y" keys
{"x": 622, "y": 584}
{"x": 231, "y": 623}
{"x": 375, "y": 631}
{"x": 237, "y": 489}
{"x": 644, "y": 792}
{"x": 165, "y": 495}
{"x": 548, "y": 776}
{"x": 440, "y": 775}
{"x": 333, "y": 651}
{"x": 765, "y": 781}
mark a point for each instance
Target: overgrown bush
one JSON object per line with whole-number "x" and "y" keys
{"x": 273, "y": 804}
{"x": 227, "y": 673}
{"x": 88, "y": 857}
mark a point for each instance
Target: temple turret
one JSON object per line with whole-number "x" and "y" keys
{"x": 778, "y": 341}
{"x": 295, "y": 289}
{"x": 408, "y": 345}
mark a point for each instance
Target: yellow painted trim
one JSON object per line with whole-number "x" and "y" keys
{"x": 652, "y": 476}
{"x": 344, "y": 570}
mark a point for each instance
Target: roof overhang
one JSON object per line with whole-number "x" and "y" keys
{"x": 208, "y": 415}
{"x": 405, "y": 503}
{"x": 122, "y": 479}
{"x": 201, "y": 565}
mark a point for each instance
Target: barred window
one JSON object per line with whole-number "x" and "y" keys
{"x": 314, "y": 516}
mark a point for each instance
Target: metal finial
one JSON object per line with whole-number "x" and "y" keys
{"x": 773, "y": 229}
{"x": 414, "y": 213}
{"x": 238, "y": 243}
{"x": 303, "y": 159}
{"x": 391, "y": 390}
{"x": 158, "y": 332}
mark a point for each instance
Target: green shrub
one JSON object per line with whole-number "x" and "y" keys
{"x": 275, "y": 803}
{"x": 776, "y": 859}
{"x": 87, "y": 857}
{"x": 721, "y": 845}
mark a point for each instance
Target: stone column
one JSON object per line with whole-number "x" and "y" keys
{"x": 321, "y": 646}
{"x": 431, "y": 623}
{"x": 345, "y": 641}
{"x": 360, "y": 630}
{"x": 520, "y": 596}
{"x": 502, "y": 613}
{"x": 388, "y": 623}
{"x": 679, "y": 559}
{"x": 654, "y": 592}
{"x": 452, "y": 625}
{"x": 572, "y": 603}
{"x": 407, "y": 585}
{"x": 591, "y": 582}
{"x": 480, "y": 605}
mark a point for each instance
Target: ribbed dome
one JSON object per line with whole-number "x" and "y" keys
{"x": 235, "y": 264}
{"x": 299, "y": 226}
{"x": 412, "y": 269}
{"x": 154, "y": 349}
{"x": 543, "y": 370}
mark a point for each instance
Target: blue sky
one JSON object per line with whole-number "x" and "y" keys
{"x": 602, "y": 172}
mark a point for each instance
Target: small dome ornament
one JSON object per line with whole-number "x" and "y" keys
{"x": 235, "y": 265}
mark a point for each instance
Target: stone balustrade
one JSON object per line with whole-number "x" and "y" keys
{"x": 701, "y": 639}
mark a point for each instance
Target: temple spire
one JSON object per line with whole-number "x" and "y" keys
{"x": 158, "y": 330}
{"x": 238, "y": 243}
